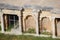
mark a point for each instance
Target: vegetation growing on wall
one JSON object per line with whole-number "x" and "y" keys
{"x": 10, "y": 27}
{"x": 30, "y": 30}
{"x": 46, "y": 33}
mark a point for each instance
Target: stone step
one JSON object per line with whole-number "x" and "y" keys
{"x": 15, "y": 30}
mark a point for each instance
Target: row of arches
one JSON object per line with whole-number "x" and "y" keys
{"x": 30, "y": 24}
{"x": 44, "y": 24}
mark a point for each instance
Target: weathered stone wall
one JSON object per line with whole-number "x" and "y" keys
{"x": 15, "y": 12}
{"x": 30, "y": 23}
{"x": 28, "y": 20}
{"x": 45, "y": 18}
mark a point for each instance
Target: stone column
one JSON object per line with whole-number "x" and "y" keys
{"x": 36, "y": 15}
{"x": 24, "y": 25}
{"x": 20, "y": 28}
{"x": 37, "y": 27}
{"x": 2, "y": 24}
{"x": 53, "y": 27}
{"x": 40, "y": 30}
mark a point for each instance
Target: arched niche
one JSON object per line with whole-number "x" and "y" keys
{"x": 45, "y": 24}
{"x": 29, "y": 23}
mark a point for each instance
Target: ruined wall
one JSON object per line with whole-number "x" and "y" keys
{"x": 30, "y": 23}
{"x": 46, "y": 21}
{"x": 28, "y": 20}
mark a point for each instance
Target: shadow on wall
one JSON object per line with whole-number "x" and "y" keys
{"x": 0, "y": 25}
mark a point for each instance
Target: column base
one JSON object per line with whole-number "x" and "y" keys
{"x": 2, "y": 31}
{"x": 37, "y": 35}
{"x": 53, "y": 36}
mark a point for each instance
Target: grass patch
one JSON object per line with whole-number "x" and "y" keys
{"x": 22, "y": 37}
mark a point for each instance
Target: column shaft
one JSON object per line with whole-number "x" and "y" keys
{"x": 2, "y": 24}
{"x": 37, "y": 28}
{"x": 20, "y": 28}
{"x": 53, "y": 27}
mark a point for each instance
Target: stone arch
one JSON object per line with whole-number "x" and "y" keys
{"x": 29, "y": 22}
{"x": 45, "y": 24}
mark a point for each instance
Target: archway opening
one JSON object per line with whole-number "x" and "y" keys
{"x": 57, "y": 27}
{"x": 45, "y": 26}
{"x": 10, "y": 22}
{"x": 30, "y": 24}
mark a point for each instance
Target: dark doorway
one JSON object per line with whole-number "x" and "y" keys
{"x": 57, "y": 26}
{"x": 10, "y": 21}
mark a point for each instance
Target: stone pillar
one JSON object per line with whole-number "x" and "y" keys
{"x": 53, "y": 27}
{"x": 37, "y": 27}
{"x": 24, "y": 25}
{"x": 40, "y": 30}
{"x": 6, "y": 22}
{"x": 20, "y": 28}
{"x": 2, "y": 24}
{"x": 36, "y": 16}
